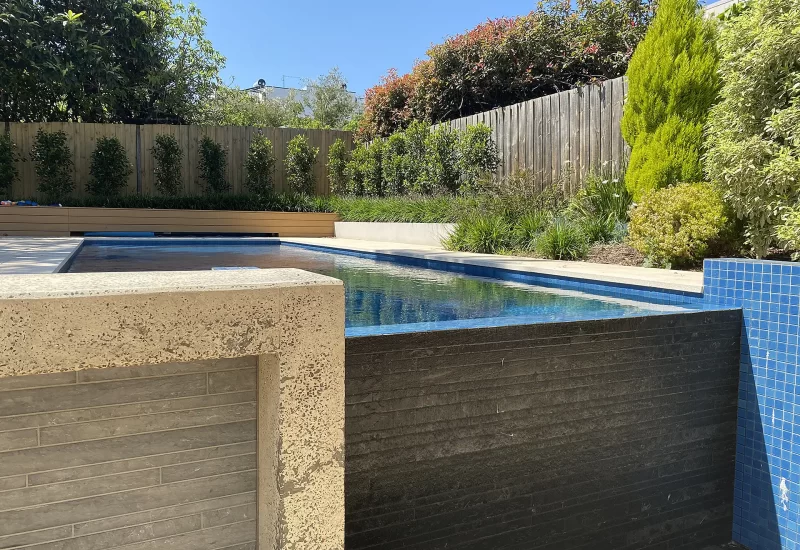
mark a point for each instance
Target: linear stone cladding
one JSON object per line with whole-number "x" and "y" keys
{"x": 614, "y": 434}
{"x": 155, "y": 456}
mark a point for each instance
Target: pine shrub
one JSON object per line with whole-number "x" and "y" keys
{"x": 672, "y": 83}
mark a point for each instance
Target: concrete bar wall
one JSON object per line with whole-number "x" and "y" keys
{"x": 191, "y": 410}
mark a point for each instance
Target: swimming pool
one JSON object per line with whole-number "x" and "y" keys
{"x": 388, "y": 297}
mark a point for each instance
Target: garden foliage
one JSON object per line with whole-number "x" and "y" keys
{"x": 477, "y": 156}
{"x": 679, "y": 226}
{"x": 789, "y": 232}
{"x": 54, "y": 165}
{"x": 213, "y": 165}
{"x": 109, "y": 169}
{"x": 672, "y": 83}
{"x": 299, "y": 164}
{"x": 421, "y": 161}
{"x": 338, "y": 156}
{"x": 504, "y": 61}
{"x": 8, "y": 172}
{"x": 754, "y": 131}
{"x": 168, "y": 160}
{"x": 260, "y": 165}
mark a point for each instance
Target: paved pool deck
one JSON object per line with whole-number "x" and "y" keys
{"x": 35, "y": 254}
{"x": 686, "y": 281}
{"x": 48, "y": 255}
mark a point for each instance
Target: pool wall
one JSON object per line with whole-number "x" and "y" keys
{"x": 767, "y": 486}
{"x": 594, "y": 434}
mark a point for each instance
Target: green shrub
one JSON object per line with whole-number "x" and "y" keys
{"x": 603, "y": 197}
{"x": 478, "y": 157}
{"x": 528, "y": 228}
{"x": 562, "y": 240}
{"x": 338, "y": 157}
{"x": 260, "y": 165}
{"x": 270, "y": 202}
{"x": 678, "y": 226}
{"x": 598, "y": 228}
{"x": 109, "y": 169}
{"x": 754, "y": 131}
{"x": 356, "y": 170}
{"x": 441, "y": 171}
{"x": 484, "y": 234}
{"x": 54, "y": 165}
{"x": 300, "y": 159}
{"x": 373, "y": 169}
{"x": 789, "y": 231}
{"x": 416, "y": 146}
{"x": 394, "y": 164}
{"x": 408, "y": 209}
{"x": 8, "y": 171}
{"x": 672, "y": 83}
{"x": 168, "y": 160}
{"x": 212, "y": 166}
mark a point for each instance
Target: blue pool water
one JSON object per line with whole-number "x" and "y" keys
{"x": 384, "y": 297}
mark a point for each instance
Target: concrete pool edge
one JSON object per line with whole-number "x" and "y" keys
{"x": 658, "y": 279}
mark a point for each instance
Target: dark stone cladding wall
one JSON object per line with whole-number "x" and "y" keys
{"x": 613, "y": 434}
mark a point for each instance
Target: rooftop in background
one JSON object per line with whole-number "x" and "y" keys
{"x": 262, "y": 91}
{"x": 716, "y": 8}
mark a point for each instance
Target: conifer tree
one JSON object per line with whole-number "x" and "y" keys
{"x": 672, "y": 84}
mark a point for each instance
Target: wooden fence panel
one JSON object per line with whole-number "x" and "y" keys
{"x": 82, "y": 140}
{"x": 573, "y": 132}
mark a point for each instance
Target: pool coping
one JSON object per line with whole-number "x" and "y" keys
{"x": 689, "y": 282}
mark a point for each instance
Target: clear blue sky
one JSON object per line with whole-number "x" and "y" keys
{"x": 305, "y": 38}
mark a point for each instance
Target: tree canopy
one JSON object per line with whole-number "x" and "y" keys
{"x": 104, "y": 61}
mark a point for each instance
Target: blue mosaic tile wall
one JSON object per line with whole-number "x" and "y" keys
{"x": 767, "y": 487}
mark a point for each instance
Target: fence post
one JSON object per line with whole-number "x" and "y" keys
{"x": 138, "y": 160}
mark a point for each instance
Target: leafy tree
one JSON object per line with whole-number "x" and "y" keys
{"x": 260, "y": 165}
{"x": 109, "y": 169}
{"x": 338, "y": 157}
{"x": 299, "y": 163}
{"x": 754, "y": 131}
{"x": 8, "y": 172}
{"x": 54, "y": 165}
{"x": 416, "y": 147}
{"x": 373, "y": 170}
{"x": 212, "y": 166}
{"x": 330, "y": 102}
{"x": 672, "y": 83}
{"x": 111, "y": 61}
{"x": 235, "y": 107}
{"x": 356, "y": 170}
{"x": 168, "y": 159}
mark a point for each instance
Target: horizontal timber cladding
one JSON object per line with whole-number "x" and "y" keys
{"x": 613, "y": 434}
{"x": 157, "y": 456}
{"x": 57, "y": 222}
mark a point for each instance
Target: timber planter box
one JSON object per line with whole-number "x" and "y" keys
{"x": 45, "y": 221}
